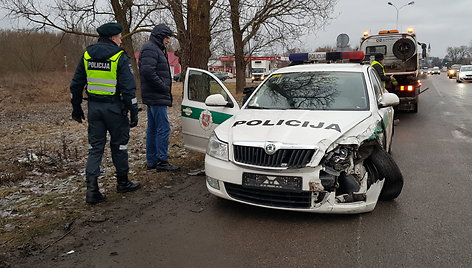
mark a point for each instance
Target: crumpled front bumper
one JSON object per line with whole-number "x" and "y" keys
{"x": 229, "y": 179}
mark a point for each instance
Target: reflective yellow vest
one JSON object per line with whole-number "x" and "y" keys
{"x": 383, "y": 70}
{"x": 101, "y": 75}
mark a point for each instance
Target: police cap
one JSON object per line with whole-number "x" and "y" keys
{"x": 379, "y": 56}
{"x": 110, "y": 29}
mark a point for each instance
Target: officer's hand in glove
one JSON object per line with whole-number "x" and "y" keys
{"x": 133, "y": 121}
{"x": 77, "y": 113}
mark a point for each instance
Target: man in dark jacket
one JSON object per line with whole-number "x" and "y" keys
{"x": 156, "y": 84}
{"x": 104, "y": 70}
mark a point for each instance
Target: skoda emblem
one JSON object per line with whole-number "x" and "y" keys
{"x": 270, "y": 149}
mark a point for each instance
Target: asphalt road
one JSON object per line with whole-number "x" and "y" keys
{"x": 427, "y": 226}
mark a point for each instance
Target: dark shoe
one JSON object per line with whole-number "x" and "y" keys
{"x": 165, "y": 166}
{"x": 93, "y": 195}
{"x": 149, "y": 167}
{"x": 124, "y": 185}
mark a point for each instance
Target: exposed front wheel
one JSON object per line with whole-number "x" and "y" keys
{"x": 382, "y": 165}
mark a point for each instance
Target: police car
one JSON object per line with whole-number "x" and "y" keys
{"x": 312, "y": 137}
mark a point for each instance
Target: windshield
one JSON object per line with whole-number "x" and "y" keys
{"x": 466, "y": 68}
{"x": 312, "y": 91}
{"x": 258, "y": 70}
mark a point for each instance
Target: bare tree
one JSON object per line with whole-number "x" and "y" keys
{"x": 82, "y": 17}
{"x": 458, "y": 54}
{"x": 262, "y": 23}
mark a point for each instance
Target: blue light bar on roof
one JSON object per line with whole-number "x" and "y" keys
{"x": 298, "y": 57}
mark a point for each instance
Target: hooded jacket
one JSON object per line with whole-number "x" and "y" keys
{"x": 126, "y": 86}
{"x": 154, "y": 70}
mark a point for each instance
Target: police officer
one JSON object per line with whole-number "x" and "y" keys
{"x": 104, "y": 71}
{"x": 378, "y": 66}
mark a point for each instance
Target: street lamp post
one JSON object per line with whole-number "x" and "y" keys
{"x": 398, "y": 9}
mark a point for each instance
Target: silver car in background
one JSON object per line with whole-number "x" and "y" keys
{"x": 464, "y": 74}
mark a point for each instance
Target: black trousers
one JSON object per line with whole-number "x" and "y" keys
{"x": 102, "y": 118}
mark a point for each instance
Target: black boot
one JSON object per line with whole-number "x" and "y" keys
{"x": 124, "y": 185}
{"x": 165, "y": 166}
{"x": 93, "y": 195}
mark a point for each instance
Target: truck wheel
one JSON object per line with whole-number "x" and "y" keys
{"x": 404, "y": 48}
{"x": 385, "y": 167}
{"x": 415, "y": 110}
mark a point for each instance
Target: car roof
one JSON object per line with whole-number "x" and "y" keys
{"x": 324, "y": 67}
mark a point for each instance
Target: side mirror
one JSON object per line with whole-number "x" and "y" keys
{"x": 389, "y": 99}
{"x": 218, "y": 100}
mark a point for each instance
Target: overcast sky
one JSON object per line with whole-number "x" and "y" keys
{"x": 441, "y": 23}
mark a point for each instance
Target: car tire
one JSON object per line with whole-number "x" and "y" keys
{"x": 458, "y": 81}
{"x": 384, "y": 166}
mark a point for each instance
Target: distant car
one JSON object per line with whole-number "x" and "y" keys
{"x": 220, "y": 75}
{"x": 464, "y": 74}
{"x": 451, "y": 73}
{"x": 436, "y": 70}
{"x": 430, "y": 71}
{"x": 230, "y": 75}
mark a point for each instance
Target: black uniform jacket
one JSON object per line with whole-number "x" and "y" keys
{"x": 126, "y": 85}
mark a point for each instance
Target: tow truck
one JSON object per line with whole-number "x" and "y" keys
{"x": 401, "y": 59}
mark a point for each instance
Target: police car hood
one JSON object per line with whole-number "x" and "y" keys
{"x": 103, "y": 50}
{"x": 290, "y": 126}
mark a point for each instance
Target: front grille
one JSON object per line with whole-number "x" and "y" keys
{"x": 289, "y": 158}
{"x": 269, "y": 197}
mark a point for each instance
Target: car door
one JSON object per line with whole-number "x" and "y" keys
{"x": 386, "y": 113}
{"x": 198, "y": 119}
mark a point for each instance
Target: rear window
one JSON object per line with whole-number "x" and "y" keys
{"x": 466, "y": 68}
{"x": 372, "y": 50}
{"x": 312, "y": 91}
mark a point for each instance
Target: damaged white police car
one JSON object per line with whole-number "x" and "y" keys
{"x": 312, "y": 137}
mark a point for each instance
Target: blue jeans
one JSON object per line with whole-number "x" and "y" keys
{"x": 157, "y": 134}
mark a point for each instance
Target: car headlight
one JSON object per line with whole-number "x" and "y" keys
{"x": 217, "y": 148}
{"x": 340, "y": 158}
{"x": 461, "y": 75}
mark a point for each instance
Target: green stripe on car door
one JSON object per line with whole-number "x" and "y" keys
{"x": 217, "y": 117}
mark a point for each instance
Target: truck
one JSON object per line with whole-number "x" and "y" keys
{"x": 401, "y": 59}
{"x": 260, "y": 69}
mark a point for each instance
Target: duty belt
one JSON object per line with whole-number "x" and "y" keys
{"x": 103, "y": 98}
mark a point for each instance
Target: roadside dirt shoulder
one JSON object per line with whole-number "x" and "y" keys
{"x": 42, "y": 185}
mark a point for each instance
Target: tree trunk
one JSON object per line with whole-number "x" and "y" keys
{"x": 127, "y": 42}
{"x": 198, "y": 21}
{"x": 238, "y": 47}
{"x": 182, "y": 35}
